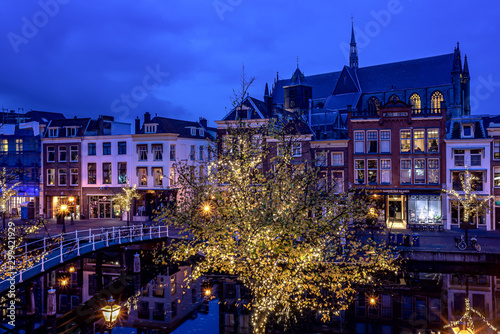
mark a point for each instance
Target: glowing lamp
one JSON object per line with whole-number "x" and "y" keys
{"x": 71, "y": 269}
{"x": 206, "y": 208}
{"x": 64, "y": 207}
{"x": 71, "y": 199}
{"x": 208, "y": 292}
{"x": 110, "y": 313}
{"x": 64, "y": 282}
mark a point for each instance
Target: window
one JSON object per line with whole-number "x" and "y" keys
{"x": 193, "y": 131}
{"x": 158, "y": 176}
{"x": 122, "y": 172}
{"x": 321, "y": 158}
{"x": 476, "y": 184}
{"x": 475, "y": 157}
{"x": 201, "y": 153}
{"x": 394, "y": 98}
{"x": 172, "y": 152}
{"x": 73, "y": 176}
{"x": 433, "y": 171}
{"x": 359, "y": 142}
{"x": 416, "y": 104}
{"x": 436, "y": 99}
{"x": 192, "y": 153}
{"x": 70, "y": 132}
{"x": 496, "y": 149}
{"x": 142, "y": 174}
{"x": 372, "y": 171}
{"x": 496, "y": 177}
{"x": 53, "y": 132}
{"x": 51, "y": 177}
{"x": 106, "y": 173}
{"x": 405, "y": 141}
{"x": 4, "y": 146}
{"x": 373, "y": 104}
{"x": 359, "y": 171}
{"x": 151, "y": 128}
{"x": 51, "y": 154}
{"x": 337, "y": 159}
{"x": 418, "y": 141}
{"x": 19, "y": 145}
{"x": 459, "y": 157}
{"x": 62, "y": 154}
{"x": 202, "y": 132}
{"x": 157, "y": 150}
{"x": 73, "y": 151}
{"x": 338, "y": 181}
{"x": 385, "y": 171}
{"x": 106, "y": 148}
{"x": 405, "y": 171}
{"x": 433, "y": 140}
{"x": 62, "y": 177}
{"x": 467, "y": 131}
{"x": 385, "y": 141}
{"x": 142, "y": 150}
{"x": 92, "y": 173}
{"x": 372, "y": 142}
{"x": 296, "y": 149}
{"x": 122, "y": 147}
{"x": 92, "y": 149}
{"x": 419, "y": 171}
{"x": 171, "y": 179}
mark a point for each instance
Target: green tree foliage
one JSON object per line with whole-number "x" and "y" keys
{"x": 125, "y": 198}
{"x": 289, "y": 240}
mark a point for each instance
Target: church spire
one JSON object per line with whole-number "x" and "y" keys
{"x": 353, "y": 52}
{"x": 266, "y": 90}
{"x": 466, "y": 68}
{"x": 457, "y": 60}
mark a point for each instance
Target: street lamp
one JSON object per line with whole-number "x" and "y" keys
{"x": 110, "y": 313}
{"x": 71, "y": 200}
{"x": 62, "y": 215}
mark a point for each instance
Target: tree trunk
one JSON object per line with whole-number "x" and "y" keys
{"x": 259, "y": 321}
{"x": 128, "y": 218}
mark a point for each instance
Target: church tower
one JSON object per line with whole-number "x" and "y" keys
{"x": 353, "y": 51}
{"x": 456, "y": 75}
{"x": 298, "y": 93}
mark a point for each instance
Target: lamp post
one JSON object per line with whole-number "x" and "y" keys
{"x": 110, "y": 313}
{"x": 62, "y": 214}
{"x": 71, "y": 200}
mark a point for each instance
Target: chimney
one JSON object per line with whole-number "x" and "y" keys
{"x": 147, "y": 117}
{"x": 100, "y": 126}
{"x": 203, "y": 122}
{"x": 137, "y": 125}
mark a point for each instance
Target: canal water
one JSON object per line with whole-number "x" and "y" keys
{"x": 157, "y": 298}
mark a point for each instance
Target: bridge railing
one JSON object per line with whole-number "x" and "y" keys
{"x": 35, "y": 255}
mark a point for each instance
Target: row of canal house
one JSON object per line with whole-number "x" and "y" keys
{"x": 86, "y": 162}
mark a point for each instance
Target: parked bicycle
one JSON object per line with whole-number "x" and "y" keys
{"x": 462, "y": 244}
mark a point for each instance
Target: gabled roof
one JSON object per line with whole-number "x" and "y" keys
{"x": 80, "y": 123}
{"x": 257, "y": 109}
{"x": 180, "y": 127}
{"x": 454, "y": 127}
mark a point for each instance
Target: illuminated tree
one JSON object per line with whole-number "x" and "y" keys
{"x": 125, "y": 198}
{"x": 290, "y": 241}
{"x": 7, "y": 186}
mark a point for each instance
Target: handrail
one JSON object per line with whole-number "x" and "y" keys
{"x": 81, "y": 242}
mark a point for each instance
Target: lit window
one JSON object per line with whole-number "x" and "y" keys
{"x": 192, "y": 153}
{"x": 385, "y": 171}
{"x": 436, "y": 99}
{"x": 459, "y": 156}
{"x": 62, "y": 177}
{"x": 157, "y": 150}
{"x": 405, "y": 141}
{"x": 337, "y": 159}
{"x": 92, "y": 149}
{"x": 73, "y": 176}
{"x": 51, "y": 177}
{"x": 416, "y": 104}
{"x": 373, "y": 104}
{"x": 92, "y": 173}
{"x": 51, "y": 154}
{"x": 419, "y": 141}
{"x": 433, "y": 140}
{"x": 172, "y": 152}
{"x": 142, "y": 174}
{"x": 106, "y": 173}
{"x": 62, "y": 153}
{"x": 405, "y": 171}
{"x": 475, "y": 157}
{"x": 419, "y": 171}
{"x": 106, "y": 148}
{"x": 372, "y": 171}
{"x": 158, "y": 176}
{"x": 142, "y": 150}
{"x": 496, "y": 149}
{"x": 359, "y": 142}
{"x": 385, "y": 141}
{"x": 372, "y": 142}
{"x": 321, "y": 159}
{"x": 73, "y": 151}
{"x": 496, "y": 177}
{"x": 4, "y": 146}
{"x": 359, "y": 171}
{"x": 296, "y": 149}
{"x": 19, "y": 145}
{"x": 122, "y": 172}
{"x": 433, "y": 171}
{"x": 172, "y": 176}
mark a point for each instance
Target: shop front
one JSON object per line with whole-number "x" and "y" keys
{"x": 102, "y": 207}
{"x": 424, "y": 209}
{"x": 54, "y": 203}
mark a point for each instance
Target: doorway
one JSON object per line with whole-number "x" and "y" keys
{"x": 396, "y": 216}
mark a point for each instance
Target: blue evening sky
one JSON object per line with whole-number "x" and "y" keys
{"x": 182, "y": 59}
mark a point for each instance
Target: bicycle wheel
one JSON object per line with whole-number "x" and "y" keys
{"x": 478, "y": 247}
{"x": 462, "y": 245}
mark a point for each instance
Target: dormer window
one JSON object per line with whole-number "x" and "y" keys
{"x": 202, "y": 132}
{"x": 70, "y": 132}
{"x": 151, "y": 128}
{"x": 467, "y": 131}
{"x": 53, "y": 132}
{"x": 193, "y": 131}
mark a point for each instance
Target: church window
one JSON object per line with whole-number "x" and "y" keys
{"x": 436, "y": 99}
{"x": 416, "y": 103}
{"x": 394, "y": 98}
{"x": 373, "y": 104}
